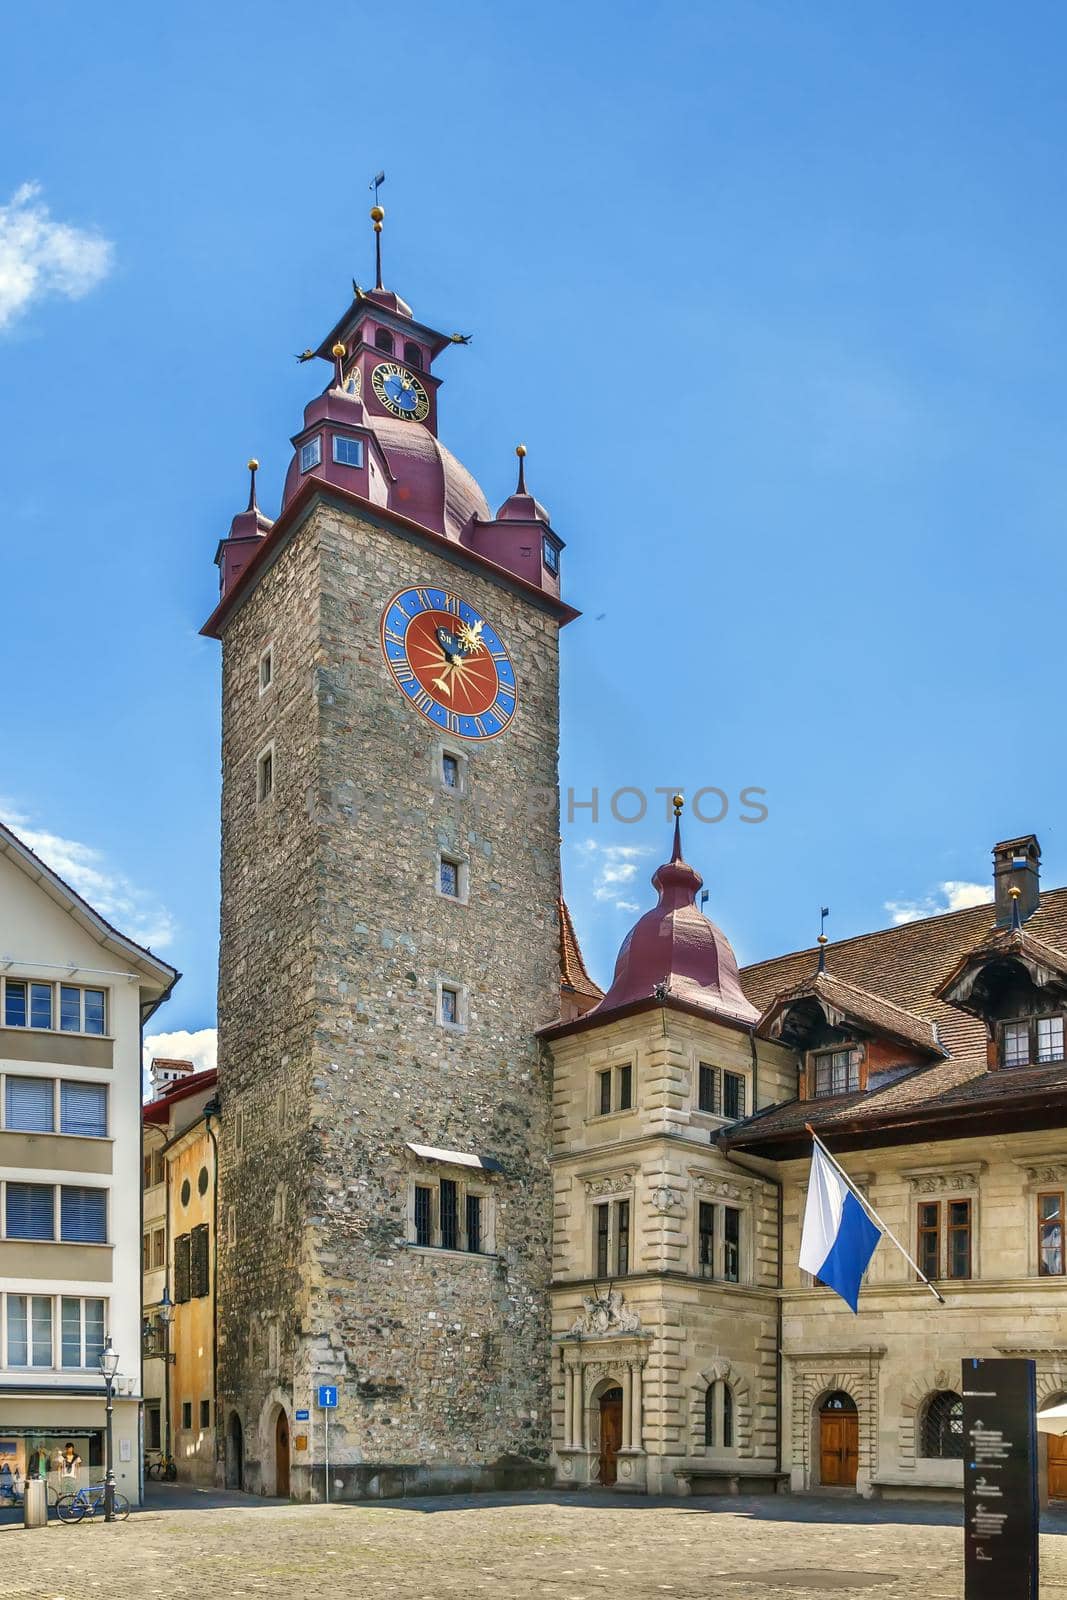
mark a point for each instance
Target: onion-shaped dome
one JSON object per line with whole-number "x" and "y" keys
{"x": 675, "y": 951}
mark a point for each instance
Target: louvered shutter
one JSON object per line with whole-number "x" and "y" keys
{"x": 31, "y": 1211}
{"x": 198, "y": 1261}
{"x": 83, "y": 1215}
{"x": 181, "y": 1268}
{"x": 83, "y": 1109}
{"x": 30, "y": 1104}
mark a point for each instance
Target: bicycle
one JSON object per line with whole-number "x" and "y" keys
{"x": 163, "y": 1467}
{"x": 87, "y": 1502}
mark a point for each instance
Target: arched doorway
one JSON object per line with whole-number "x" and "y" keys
{"x": 235, "y": 1453}
{"x": 610, "y": 1435}
{"x": 1057, "y": 1453}
{"x": 281, "y": 1456}
{"x": 839, "y": 1441}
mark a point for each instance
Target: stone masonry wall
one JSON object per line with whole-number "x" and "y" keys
{"x": 441, "y": 1358}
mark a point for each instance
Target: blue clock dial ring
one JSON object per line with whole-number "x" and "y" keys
{"x": 449, "y": 663}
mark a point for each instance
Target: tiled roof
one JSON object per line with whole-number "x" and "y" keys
{"x": 906, "y": 966}
{"x": 879, "y": 1014}
{"x": 572, "y": 973}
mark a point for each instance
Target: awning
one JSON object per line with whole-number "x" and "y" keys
{"x": 455, "y": 1158}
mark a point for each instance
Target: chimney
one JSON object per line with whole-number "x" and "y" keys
{"x": 1016, "y": 865}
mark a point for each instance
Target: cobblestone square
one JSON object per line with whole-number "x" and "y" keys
{"x": 214, "y": 1546}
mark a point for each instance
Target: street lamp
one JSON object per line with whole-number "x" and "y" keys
{"x": 109, "y": 1365}
{"x": 165, "y": 1316}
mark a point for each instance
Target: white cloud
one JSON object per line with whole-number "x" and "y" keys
{"x": 200, "y": 1047}
{"x": 952, "y": 895}
{"x": 132, "y": 910}
{"x": 40, "y": 256}
{"x": 616, "y": 867}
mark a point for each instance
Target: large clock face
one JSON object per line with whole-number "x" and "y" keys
{"x": 449, "y": 663}
{"x": 400, "y": 391}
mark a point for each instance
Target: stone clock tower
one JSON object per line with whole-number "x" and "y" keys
{"x": 389, "y": 947}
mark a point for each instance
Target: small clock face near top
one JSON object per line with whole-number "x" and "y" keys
{"x": 400, "y": 392}
{"x": 449, "y": 663}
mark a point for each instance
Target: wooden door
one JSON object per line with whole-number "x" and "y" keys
{"x": 281, "y": 1456}
{"x": 1057, "y": 1466}
{"x": 610, "y": 1434}
{"x": 839, "y": 1453}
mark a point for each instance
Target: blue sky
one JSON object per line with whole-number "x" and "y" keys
{"x": 774, "y": 295}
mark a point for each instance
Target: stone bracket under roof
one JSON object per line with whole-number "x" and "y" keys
{"x": 841, "y": 1003}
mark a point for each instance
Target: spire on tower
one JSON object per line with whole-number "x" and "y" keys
{"x": 377, "y": 216}
{"x": 253, "y": 468}
{"x": 520, "y": 451}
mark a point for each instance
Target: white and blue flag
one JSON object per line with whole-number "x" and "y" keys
{"x": 839, "y": 1237}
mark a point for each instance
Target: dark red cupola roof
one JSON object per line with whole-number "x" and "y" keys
{"x": 675, "y": 952}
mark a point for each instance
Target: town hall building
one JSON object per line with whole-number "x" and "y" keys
{"x": 531, "y": 1231}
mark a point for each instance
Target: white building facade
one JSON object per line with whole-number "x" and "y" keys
{"x": 74, "y": 995}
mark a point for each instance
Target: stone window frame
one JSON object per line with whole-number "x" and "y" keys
{"x": 1040, "y": 1175}
{"x": 608, "y": 1189}
{"x": 721, "y": 1193}
{"x": 463, "y": 769}
{"x": 462, "y": 866}
{"x": 615, "y": 1068}
{"x": 945, "y": 1184}
{"x": 264, "y": 794}
{"x": 462, "y": 1022}
{"x": 724, "y": 1373}
{"x": 266, "y": 660}
{"x": 466, "y": 1184}
{"x": 715, "y": 1119}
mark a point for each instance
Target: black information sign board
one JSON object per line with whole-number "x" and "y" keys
{"x": 999, "y": 1480}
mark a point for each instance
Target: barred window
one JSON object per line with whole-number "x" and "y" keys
{"x": 941, "y": 1433}
{"x": 709, "y": 1415}
{"x": 733, "y": 1095}
{"x": 474, "y": 1223}
{"x": 423, "y": 1216}
{"x": 449, "y": 1215}
{"x": 708, "y": 1088}
{"x": 706, "y": 1252}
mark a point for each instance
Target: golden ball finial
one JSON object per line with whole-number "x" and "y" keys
{"x": 253, "y": 465}
{"x": 377, "y": 215}
{"x": 338, "y": 350}
{"x": 678, "y": 802}
{"x": 822, "y": 939}
{"x": 1015, "y": 892}
{"x": 520, "y": 450}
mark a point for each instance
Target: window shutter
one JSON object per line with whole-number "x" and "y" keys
{"x": 83, "y": 1215}
{"x": 30, "y": 1104}
{"x": 198, "y": 1262}
{"x": 83, "y": 1109}
{"x": 181, "y": 1268}
{"x": 31, "y": 1211}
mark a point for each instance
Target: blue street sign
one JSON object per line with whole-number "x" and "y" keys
{"x": 303, "y": 1416}
{"x": 327, "y": 1396}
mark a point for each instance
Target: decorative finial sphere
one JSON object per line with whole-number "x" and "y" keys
{"x": 822, "y": 939}
{"x": 377, "y": 215}
{"x": 338, "y": 350}
{"x": 253, "y": 465}
{"x": 520, "y": 450}
{"x": 1015, "y": 892}
{"x": 678, "y": 802}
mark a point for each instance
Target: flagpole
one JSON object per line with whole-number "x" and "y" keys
{"x": 872, "y": 1213}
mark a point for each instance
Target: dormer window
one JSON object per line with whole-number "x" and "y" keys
{"x": 837, "y": 1072}
{"x": 1035, "y": 1040}
{"x": 413, "y": 355}
{"x": 311, "y": 453}
{"x": 383, "y": 340}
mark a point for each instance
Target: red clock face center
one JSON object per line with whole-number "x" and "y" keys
{"x": 456, "y": 674}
